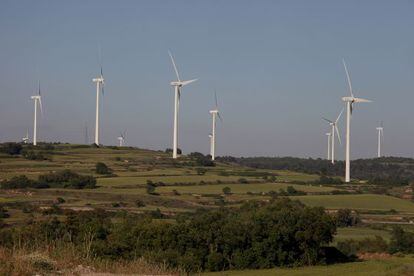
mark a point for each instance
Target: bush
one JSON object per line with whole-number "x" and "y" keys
{"x": 67, "y": 179}
{"x": 401, "y": 241}
{"x": 33, "y": 155}
{"x": 102, "y": 168}
{"x": 368, "y": 245}
{"x": 226, "y": 190}
{"x": 201, "y": 171}
{"x": 242, "y": 181}
{"x": 11, "y": 148}
{"x": 139, "y": 203}
{"x": 150, "y": 188}
{"x": 345, "y": 218}
{"x": 17, "y": 182}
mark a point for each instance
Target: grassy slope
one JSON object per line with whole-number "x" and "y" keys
{"x": 390, "y": 267}
{"x": 363, "y": 201}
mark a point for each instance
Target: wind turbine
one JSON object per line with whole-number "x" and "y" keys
{"x": 26, "y": 138}
{"x": 380, "y": 135}
{"x": 121, "y": 138}
{"x": 329, "y": 145}
{"x": 99, "y": 88}
{"x": 334, "y": 126}
{"x": 349, "y": 101}
{"x": 177, "y": 95}
{"x": 37, "y": 100}
{"x": 215, "y": 112}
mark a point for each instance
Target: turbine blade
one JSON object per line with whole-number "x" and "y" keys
{"x": 218, "y": 114}
{"x": 339, "y": 116}
{"x": 183, "y": 83}
{"x": 215, "y": 98}
{"x": 40, "y": 105}
{"x": 175, "y": 67}
{"x": 348, "y": 78}
{"x": 352, "y": 108}
{"x": 329, "y": 121}
{"x": 360, "y": 100}
{"x": 337, "y": 134}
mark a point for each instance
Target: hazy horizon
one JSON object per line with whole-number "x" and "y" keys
{"x": 276, "y": 67}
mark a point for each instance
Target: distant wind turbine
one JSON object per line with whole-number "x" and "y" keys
{"x": 177, "y": 90}
{"x": 329, "y": 145}
{"x": 99, "y": 88}
{"x": 215, "y": 112}
{"x": 121, "y": 138}
{"x": 37, "y": 101}
{"x": 350, "y": 100}
{"x": 380, "y": 130}
{"x": 334, "y": 126}
{"x": 26, "y": 138}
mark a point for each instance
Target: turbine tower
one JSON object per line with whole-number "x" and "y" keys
{"x": 349, "y": 101}
{"x": 121, "y": 138}
{"x": 334, "y": 128}
{"x": 177, "y": 95}
{"x": 37, "y": 101}
{"x": 329, "y": 145}
{"x": 380, "y": 130}
{"x": 99, "y": 88}
{"x": 214, "y": 113}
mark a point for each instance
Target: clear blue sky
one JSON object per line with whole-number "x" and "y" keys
{"x": 276, "y": 66}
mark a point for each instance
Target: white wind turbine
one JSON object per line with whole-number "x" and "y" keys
{"x": 329, "y": 145}
{"x": 177, "y": 95}
{"x": 215, "y": 112}
{"x": 26, "y": 138}
{"x": 350, "y": 100}
{"x": 380, "y": 130}
{"x": 121, "y": 138}
{"x": 37, "y": 101}
{"x": 99, "y": 88}
{"x": 334, "y": 128}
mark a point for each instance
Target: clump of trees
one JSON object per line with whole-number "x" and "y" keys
{"x": 68, "y": 179}
{"x": 345, "y": 218}
{"x": 62, "y": 179}
{"x": 258, "y": 235}
{"x": 201, "y": 159}
{"x": 11, "y": 148}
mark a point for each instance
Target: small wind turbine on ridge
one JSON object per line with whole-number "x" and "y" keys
{"x": 215, "y": 112}
{"x": 334, "y": 128}
{"x": 37, "y": 101}
{"x": 380, "y": 130}
{"x": 99, "y": 88}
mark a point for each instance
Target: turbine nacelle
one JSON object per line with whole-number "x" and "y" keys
{"x": 100, "y": 79}
{"x": 182, "y": 83}
{"x": 214, "y": 111}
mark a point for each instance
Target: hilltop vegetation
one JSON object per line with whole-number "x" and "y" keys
{"x": 392, "y": 171}
{"x": 123, "y": 205}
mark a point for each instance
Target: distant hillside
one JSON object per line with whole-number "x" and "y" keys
{"x": 385, "y": 170}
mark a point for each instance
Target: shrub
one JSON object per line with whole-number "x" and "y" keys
{"x": 17, "y": 182}
{"x": 242, "y": 181}
{"x": 227, "y": 190}
{"x": 201, "y": 171}
{"x": 67, "y": 179}
{"x": 139, "y": 203}
{"x": 150, "y": 188}
{"x": 345, "y": 218}
{"x": 11, "y": 148}
{"x": 102, "y": 168}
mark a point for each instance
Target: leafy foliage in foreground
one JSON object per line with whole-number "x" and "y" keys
{"x": 279, "y": 233}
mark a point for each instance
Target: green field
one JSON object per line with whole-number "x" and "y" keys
{"x": 241, "y": 188}
{"x": 389, "y": 267}
{"x": 359, "y": 202}
{"x": 359, "y": 233}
